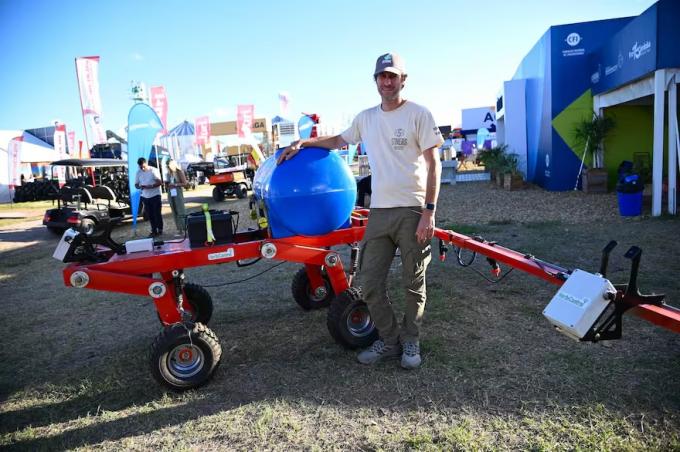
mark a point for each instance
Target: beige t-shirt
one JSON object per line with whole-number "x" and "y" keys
{"x": 394, "y": 142}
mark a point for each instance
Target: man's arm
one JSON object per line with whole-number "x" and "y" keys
{"x": 328, "y": 142}
{"x": 425, "y": 230}
{"x": 157, "y": 182}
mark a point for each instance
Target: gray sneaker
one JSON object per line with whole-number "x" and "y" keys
{"x": 410, "y": 359}
{"x": 378, "y": 351}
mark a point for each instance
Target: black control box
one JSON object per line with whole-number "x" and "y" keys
{"x": 222, "y": 228}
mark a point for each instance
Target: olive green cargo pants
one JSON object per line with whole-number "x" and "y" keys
{"x": 387, "y": 230}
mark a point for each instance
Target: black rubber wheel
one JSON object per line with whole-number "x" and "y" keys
{"x": 349, "y": 321}
{"x": 218, "y": 194}
{"x": 200, "y": 301}
{"x": 184, "y": 356}
{"x": 241, "y": 191}
{"x": 303, "y": 295}
{"x": 87, "y": 226}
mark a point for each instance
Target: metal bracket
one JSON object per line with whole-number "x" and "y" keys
{"x": 610, "y": 324}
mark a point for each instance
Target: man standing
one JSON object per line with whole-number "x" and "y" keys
{"x": 401, "y": 140}
{"x": 148, "y": 180}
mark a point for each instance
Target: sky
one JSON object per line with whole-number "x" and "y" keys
{"x": 214, "y": 55}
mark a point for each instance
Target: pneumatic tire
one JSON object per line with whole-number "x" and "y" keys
{"x": 200, "y": 302}
{"x": 241, "y": 191}
{"x": 218, "y": 194}
{"x": 349, "y": 321}
{"x": 185, "y": 356}
{"x": 303, "y": 295}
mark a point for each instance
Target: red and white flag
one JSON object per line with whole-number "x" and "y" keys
{"x": 71, "y": 140}
{"x": 14, "y": 163}
{"x": 244, "y": 120}
{"x": 87, "y": 71}
{"x": 284, "y": 100}
{"x": 245, "y": 116}
{"x": 202, "y": 130}
{"x": 159, "y": 102}
{"x": 60, "y": 148}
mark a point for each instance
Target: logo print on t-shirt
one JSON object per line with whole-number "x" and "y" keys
{"x": 399, "y": 141}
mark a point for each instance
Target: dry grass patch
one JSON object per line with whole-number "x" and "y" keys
{"x": 495, "y": 375}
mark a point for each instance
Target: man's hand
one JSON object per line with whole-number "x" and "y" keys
{"x": 289, "y": 152}
{"x": 425, "y": 230}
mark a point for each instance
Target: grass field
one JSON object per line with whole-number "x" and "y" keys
{"x": 495, "y": 375}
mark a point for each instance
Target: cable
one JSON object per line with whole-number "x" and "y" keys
{"x": 468, "y": 264}
{"x": 244, "y": 280}
{"x": 493, "y": 281}
{"x": 459, "y": 252}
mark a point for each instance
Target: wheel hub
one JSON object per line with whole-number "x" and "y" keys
{"x": 185, "y": 361}
{"x": 359, "y": 322}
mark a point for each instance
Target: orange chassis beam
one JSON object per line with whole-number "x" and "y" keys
{"x": 151, "y": 273}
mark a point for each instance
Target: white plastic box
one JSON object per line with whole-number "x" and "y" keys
{"x": 64, "y": 244}
{"x": 580, "y": 301}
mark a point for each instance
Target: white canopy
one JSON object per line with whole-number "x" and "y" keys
{"x": 33, "y": 150}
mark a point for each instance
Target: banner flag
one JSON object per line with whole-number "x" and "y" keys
{"x": 244, "y": 119}
{"x": 60, "y": 148}
{"x": 202, "y": 130}
{"x": 245, "y": 115}
{"x": 307, "y": 125}
{"x": 83, "y": 153}
{"x": 87, "y": 72}
{"x": 159, "y": 102}
{"x": 143, "y": 126}
{"x": 284, "y": 100}
{"x": 14, "y": 162}
{"x": 71, "y": 140}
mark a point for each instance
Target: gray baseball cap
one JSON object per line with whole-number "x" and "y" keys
{"x": 390, "y": 62}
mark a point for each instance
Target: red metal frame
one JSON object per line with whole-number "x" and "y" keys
{"x": 134, "y": 273}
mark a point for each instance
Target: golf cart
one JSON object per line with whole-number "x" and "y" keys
{"x": 97, "y": 192}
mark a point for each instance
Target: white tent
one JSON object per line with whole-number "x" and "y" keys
{"x": 33, "y": 150}
{"x": 181, "y": 142}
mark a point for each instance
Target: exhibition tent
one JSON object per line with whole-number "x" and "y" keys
{"x": 181, "y": 142}
{"x": 640, "y": 66}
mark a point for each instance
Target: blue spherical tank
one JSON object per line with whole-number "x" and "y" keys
{"x": 311, "y": 194}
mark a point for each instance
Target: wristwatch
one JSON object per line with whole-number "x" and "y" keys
{"x": 429, "y": 206}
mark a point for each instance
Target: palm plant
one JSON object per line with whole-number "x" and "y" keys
{"x": 591, "y": 132}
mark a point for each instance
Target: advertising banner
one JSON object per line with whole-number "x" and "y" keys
{"x": 14, "y": 163}
{"x": 87, "y": 72}
{"x": 628, "y": 55}
{"x": 477, "y": 118}
{"x": 244, "y": 119}
{"x": 71, "y": 140}
{"x": 60, "y": 148}
{"x": 202, "y": 130}
{"x": 159, "y": 102}
{"x": 284, "y": 100}
{"x": 143, "y": 126}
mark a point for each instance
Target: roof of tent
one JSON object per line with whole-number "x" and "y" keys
{"x": 277, "y": 119}
{"x": 184, "y": 128}
{"x": 43, "y": 134}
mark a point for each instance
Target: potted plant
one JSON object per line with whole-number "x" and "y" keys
{"x": 492, "y": 160}
{"x": 590, "y": 133}
{"x": 512, "y": 177}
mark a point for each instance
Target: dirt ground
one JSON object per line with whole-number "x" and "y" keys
{"x": 495, "y": 375}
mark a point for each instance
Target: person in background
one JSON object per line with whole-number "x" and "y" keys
{"x": 175, "y": 186}
{"x": 148, "y": 179}
{"x": 401, "y": 139}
